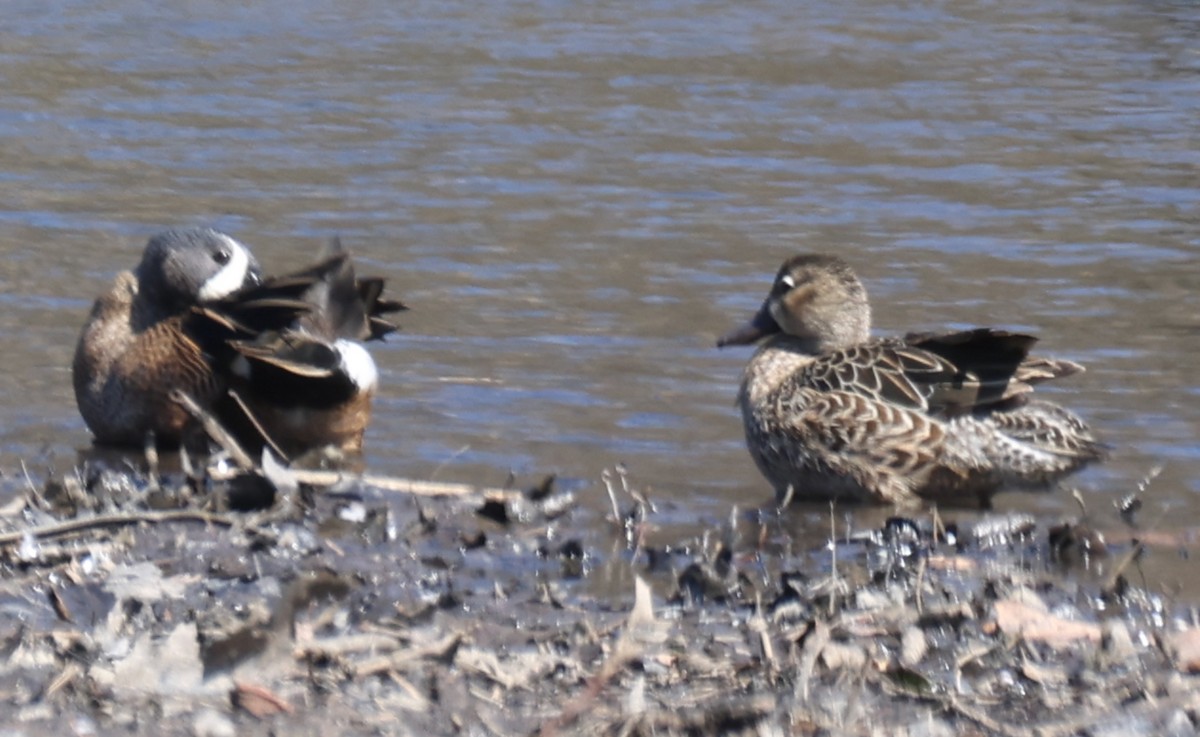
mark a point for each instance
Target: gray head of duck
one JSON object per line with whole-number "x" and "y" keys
{"x": 188, "y": 266}
{"x": 817, "y": 299}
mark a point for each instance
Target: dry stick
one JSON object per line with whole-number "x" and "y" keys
{"x": 833, "y": 569}
{"x": 213, "y": 428}
{"x": 922, "y": 564}
{"x": 48, "y": 532}
{"x": 969, "y": 657}
{"x": 150, "y": 448}
{"x": 451, "y": 457}
{"x": 817, "y": 639}
{"x": 416, "y": 487}
{"x": 33, "y": 493}
{"x": 328, "y": 478}
{"x": 1110, "y": 581}
{"x": 262, "y": 431}
{"x": 397, "y": 660}
{"x": 606, "y": 477}
{"x": 28, "y": 481}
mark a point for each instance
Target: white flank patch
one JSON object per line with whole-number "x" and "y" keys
{"x": 358, "y": 364}
{"x": 231, "y": 276}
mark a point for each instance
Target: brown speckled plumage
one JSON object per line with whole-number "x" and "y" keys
{"x": 830, "y": 413}
{"x": 128, "y": 360}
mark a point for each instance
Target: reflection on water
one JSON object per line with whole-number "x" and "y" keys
{"x": 576, "y": 199}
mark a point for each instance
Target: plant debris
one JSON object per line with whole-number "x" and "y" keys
{"x": 147, "y": 602}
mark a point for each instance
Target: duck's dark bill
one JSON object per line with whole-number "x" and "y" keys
{"x": 760, "y": 325}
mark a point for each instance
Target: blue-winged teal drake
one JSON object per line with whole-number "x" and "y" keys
{"x": 831, "y": 413}
{"x": 197, "y": 316}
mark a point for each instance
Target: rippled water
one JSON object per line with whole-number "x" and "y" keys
{"x": 577, "y": 198}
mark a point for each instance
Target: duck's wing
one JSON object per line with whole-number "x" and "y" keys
{"x": 294, "y": 368}
{"x": 885, "y": 448}
{"x": 995, "y": 369}
{"x": 888, "y": 371}
{"x": 262, "y": 309}
{"x": 939, "y": 373}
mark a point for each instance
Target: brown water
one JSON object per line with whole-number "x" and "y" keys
{"x": 577, "y": 198}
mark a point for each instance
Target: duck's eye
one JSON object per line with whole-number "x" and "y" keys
{"x": 222, "y": 256}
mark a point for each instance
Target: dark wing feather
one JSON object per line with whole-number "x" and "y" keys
{"x": 295, "y": 370}
{"x": 343, "y": 305}
{"x": 993, "y": 369}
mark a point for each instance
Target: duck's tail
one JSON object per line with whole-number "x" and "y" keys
{"x": 342, "y": 304}
{"x": 1032, "y": 445}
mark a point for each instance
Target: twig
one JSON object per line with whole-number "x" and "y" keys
{"x": 816, "y": 641}
{"x": 783, "y": 503}
{"x": 969, "y": 657}
{"x": 150, "y": 448}
{"x": 833, "y": 568}
{"x": 47, "y": 532}
{"x": 214, "y": 429}
{"x": 922, "y": 564}
{"x": 606, "y": 477}
{"x": 1080, "y": 501}
{"x": 345, "y": 645}
{"x": 28, "y": 481}
{"x": 262, "y": 431}
{"x": 1110, "y": 585}
{"x": 417, "y": 487}
{"x": 447, "y": 461}
{"x": 443, "y": 650}
{"x": 34, "y": 493}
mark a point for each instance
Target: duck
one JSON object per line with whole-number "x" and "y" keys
{"x": 832, "y": 414}
{"x": 278, "y": 360}
{"x": 310, "y": 385}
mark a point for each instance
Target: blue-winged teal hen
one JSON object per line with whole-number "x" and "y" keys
{"x": 831, "y": 413}
{"x": 197, "y": 316}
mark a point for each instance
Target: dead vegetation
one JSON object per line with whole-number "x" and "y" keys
{"x": 212, "y": 602}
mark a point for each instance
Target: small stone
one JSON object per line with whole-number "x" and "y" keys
{"x": 1184, "y": 648}
{"x": 1023, "y": 615}
{"x": 210, "y": 723}
{"x": 838, "y": 656}
{"x": 870, "y": 600}
{"x": 913, "y": 646}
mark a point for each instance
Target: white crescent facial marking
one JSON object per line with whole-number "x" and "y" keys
{"x": 231, "y": 276}
{"x": 358, "y": 364}
{"x": 788, "y": 280}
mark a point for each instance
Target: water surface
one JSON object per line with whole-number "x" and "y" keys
{"x": 577, "y": 198}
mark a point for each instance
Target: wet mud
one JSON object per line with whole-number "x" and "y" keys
{"x": 221, "y": 602}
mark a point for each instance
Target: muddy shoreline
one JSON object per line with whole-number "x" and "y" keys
{"x": 223, "y": 602}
